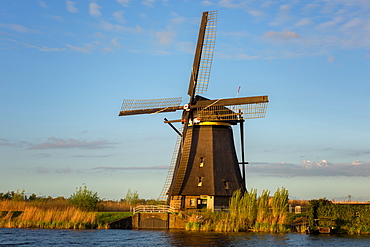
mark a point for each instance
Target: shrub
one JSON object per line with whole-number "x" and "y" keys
{"x": 85, "y": 199}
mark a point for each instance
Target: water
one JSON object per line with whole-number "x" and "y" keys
{"x": 43, "y": 237}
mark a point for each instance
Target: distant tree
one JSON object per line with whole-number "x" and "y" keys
{"x": 32, "y": 197}
{"x": 132, "y": 198}
{"x": 85, "y": 199}
{"x": 18, "y": 195}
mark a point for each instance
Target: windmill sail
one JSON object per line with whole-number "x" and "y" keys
{"x": 231, "y": 109}
{"x": 149, "y": 106}
{"x": 203, "y": 55}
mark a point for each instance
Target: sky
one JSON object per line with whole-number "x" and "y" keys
{"x": 66, "y": 66}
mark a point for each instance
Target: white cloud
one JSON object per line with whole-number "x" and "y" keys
{"x": 101, "y": 35}
{"x": 255, "y": 13}
{"x": 229, "y": 4}
{"x": 284, "y": 35}
{"x": 269, "y": 3}
{"x": 149, "y": 3}
{"x": 5, "y": 142}
{"x": 115, "y": 42}
{"x": 110, "y": 168}
{"x": 119, "y": 28}
{"x": 353, "y": 23}
{"x": 124, "y": 3}
{"x": 94, "y": 9}
{"x": 59, "y": 143}
{"x": 71, "y": 7}
{"x": 308, "y": 168}
{"x": 165, "y": 37}
{"x": 206, "y": 3}
{"x": 332, "y": 23}
{"x": 285, "y": 7}
{"x": 43, "y": 48}
{"x": 18, "y": 28}
{"x": 304, "y": 22}
{"x": 331, "y": 59}
{"x": 42, "y": 4}
{"x": 86, "y": 48}
{"x": 118, "y": 15}
{"x": 237, "y": 56}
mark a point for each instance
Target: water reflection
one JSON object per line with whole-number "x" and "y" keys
{"x": 43, "y": 237}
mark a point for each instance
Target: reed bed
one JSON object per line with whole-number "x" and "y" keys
{"x": 33, "y": 217}
{"x": 53, "y": 204}
{"x": 58, "y": 213}
{"x": 246, "y": 213}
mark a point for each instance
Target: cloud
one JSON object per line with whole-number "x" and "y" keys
{"x": 206, "y": 3}
{"x": 118, "y": 15}
{"x": 71, "y": 7}
{"x": 311, "y": 168}
{"x": 86, "y": 48}
{"x": 304, "y": 22}
{"x": 124, "y": 3}
{"x": 110, "y": 168}
{"x": 353, "y": 23}
{"x": 18, "y": 28}
{"x": 119, "y": 28}
{"x": 237, "y": 56}
{"x": 94, "y": 9}
{"x": 165, "y": 37}
{"x": 60, "y": 171}
{"x": 229, "y": 4}
{"x": 115, "y": 42}
{"x": 332, "y": 23}
{"x": 148, "y": 3}
{"x": 44, "y": 48}
{"x": 331, "y": 59}
{"x": 5, "y": 142}
{"x": 42, "y": 170}
{"x": 283, "y": 35}
{"x": 59, "y": 143}
{"x": 42, "y": 4}
{"x": 92, "y": 156}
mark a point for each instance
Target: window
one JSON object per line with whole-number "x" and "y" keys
{"x": 226, "y": 184}
{"x": 201, "y": 162}
{"x": 200, "y": 181}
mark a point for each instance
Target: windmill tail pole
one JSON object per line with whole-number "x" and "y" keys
{"x": 173, "y": 127}
{"x": 242, "y": 149}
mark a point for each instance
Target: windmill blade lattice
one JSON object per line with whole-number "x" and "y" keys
{"x": 149, "y": 106}
{"x": 207, "y": 53}
{"x": 232, "y": 113}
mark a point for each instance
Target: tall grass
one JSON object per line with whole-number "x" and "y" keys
{"x": 33, "y": 217}
{"x": 57, "y": 213}
{"x": 246, "y": 213}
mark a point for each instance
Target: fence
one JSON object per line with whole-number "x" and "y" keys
{"x": 153, "y": 209}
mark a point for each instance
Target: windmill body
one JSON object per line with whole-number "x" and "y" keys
{"x": 205, "y": 170}
{"x": 208, "y": 171}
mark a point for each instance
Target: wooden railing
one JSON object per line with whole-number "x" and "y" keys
{"x": 153, "y": 209}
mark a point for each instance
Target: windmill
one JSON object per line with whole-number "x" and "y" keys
{"x": 205, "y": 170}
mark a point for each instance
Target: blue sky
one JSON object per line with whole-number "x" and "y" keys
{"x": 66, "y": 66}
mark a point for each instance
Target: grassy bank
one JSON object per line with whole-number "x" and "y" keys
{"x": 57, "y": 213}
{"x": 68, "y": 219}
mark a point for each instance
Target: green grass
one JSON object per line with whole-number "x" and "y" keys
{"x": 108, "y": 217}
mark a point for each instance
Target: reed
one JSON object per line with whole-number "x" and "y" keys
{"x": 246, "y": 213}
{"x": 280, "y": 205}
{"x": 263, "y": 211}
{"x": 32, "y": 216}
